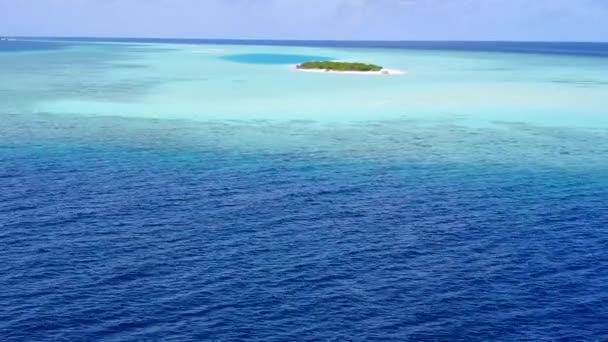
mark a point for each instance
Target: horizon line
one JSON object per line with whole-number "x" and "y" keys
{"x": 313, "y": 40}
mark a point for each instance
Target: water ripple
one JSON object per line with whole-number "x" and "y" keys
{"x": 475, "y": 235}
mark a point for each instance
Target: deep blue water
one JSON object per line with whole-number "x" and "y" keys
{"x": 558, "y": 48}
{"x": 26, "y": 45}
{"x": 136, "y": 230}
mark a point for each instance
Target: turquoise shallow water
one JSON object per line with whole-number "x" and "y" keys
{"x": 167, "y": 191}
{"x": 201, "y": 82}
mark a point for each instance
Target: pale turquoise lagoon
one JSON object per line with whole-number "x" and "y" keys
{"x": 452, "y": 106}
{"x": 240, "y": 82}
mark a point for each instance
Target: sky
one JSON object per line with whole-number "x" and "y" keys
{"x": 514, "y": 20}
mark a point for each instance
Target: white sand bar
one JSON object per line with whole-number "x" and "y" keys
{"x": 381, "y": 72}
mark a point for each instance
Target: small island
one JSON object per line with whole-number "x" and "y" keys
{"x": 346, "y": 67}
{"x": 339, "y": 66}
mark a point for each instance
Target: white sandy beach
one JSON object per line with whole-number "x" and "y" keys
{"x": 381, "y": 72}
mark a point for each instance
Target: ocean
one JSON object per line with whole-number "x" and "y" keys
{"x": 204, "y": 190}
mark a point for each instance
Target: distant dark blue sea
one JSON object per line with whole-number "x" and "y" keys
{"x": 599, "y": 49}
{"x": 117, "y": 228}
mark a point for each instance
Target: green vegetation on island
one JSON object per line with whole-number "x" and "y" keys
{"x": 339, "y": 66}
